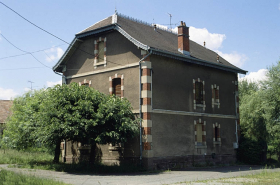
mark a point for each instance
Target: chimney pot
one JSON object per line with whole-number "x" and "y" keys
{"x": 181, "y": 23}
{"x": 204, "y": 43}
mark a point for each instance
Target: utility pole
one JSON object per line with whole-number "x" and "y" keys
{"x": 31, "y": 84}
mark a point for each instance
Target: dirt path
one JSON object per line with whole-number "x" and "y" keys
{"x": 170, "y": 177}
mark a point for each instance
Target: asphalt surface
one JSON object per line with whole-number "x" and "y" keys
{"x": 169, "y": 177}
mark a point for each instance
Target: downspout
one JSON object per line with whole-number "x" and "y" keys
{"x": 236, "y": 131}
{"x": 140, "y": 106}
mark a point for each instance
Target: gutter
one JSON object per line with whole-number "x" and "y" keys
{"x": 140, "y": 106}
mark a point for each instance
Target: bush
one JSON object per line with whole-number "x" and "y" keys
{"x": 251, "y": 152}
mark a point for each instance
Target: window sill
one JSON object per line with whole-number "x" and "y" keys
{"x": 201, "y": 146}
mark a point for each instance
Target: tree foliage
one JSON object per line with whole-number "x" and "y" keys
{"x": 71, "y": 112}
{"x": 260, "y": 109}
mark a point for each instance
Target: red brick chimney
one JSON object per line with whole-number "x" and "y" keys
{"x": 183, "y": 39}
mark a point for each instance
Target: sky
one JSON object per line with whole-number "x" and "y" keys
{"x": 246, "y": 33}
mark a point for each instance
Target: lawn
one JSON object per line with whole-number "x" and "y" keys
{"x": 11, "y": 178}
{"x": 263, "y": 178}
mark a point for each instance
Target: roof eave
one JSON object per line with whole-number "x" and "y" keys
{"x": 196, "y": 61}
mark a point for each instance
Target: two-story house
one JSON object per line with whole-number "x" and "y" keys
{"x": 186, "y": 94}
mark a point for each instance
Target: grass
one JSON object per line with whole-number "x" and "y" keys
{"x": 11, "y": 178}
{"x": 263, "y": 178}
{"x": 42, "y": 160}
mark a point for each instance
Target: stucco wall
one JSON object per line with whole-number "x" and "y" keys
{"x": 172, "y": 89}
{"x": 119, "y": 52}
{"x": 173, "y": 86}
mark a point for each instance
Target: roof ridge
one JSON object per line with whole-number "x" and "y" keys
{"x": 93, "y": 24}
{"x": 146, "y": 23}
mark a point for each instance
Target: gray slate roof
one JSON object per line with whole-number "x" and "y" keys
{"x": 5, "y": 110}
{"x": 160, "y": 40}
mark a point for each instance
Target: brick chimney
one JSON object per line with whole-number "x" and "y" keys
{"x": 183, "y": 39}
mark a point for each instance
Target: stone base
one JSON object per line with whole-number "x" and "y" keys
{"x": 180, "y": 162}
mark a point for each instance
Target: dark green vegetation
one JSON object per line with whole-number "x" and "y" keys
{"x": 11, "y": 178}
{"x": 260, "y": 118}
{"x": 42, "y": 119}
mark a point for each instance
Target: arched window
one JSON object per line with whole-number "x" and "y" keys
{"x": 117, "y": 87}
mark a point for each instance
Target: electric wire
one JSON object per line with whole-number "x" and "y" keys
{"x": 24, "y": 51}
{"x": 30, "y": 52}
{"x": 20, "y": 68}
{"x": 51, "y": 33}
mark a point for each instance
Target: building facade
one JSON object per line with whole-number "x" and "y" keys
{"x": 185, "y": 94}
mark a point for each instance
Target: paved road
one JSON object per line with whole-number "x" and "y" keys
{"x": 170, "y": 177}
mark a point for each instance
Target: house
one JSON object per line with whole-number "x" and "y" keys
{"x": 186, "y": 94}
{"x": 5, "y": 111}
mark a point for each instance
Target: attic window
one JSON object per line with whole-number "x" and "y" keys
{"x": 100, "y": 52}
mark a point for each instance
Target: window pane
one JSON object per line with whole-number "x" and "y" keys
{"x": 100, "y": 51}
{"x": 199, "y": 132}
{"x": 198, "y": 92}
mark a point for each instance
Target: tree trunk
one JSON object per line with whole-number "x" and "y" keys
{"x": 92, "y": 153}
{"x": 57, "y": 152}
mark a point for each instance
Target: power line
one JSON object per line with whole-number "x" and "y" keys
{"x": 24, "y": 51}
{"x": 30, "y": 52}
{"x": 50, "y": 33}
{"x": 20, "y": 68}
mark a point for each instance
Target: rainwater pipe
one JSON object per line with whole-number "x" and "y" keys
{"x": 140, "y": 106}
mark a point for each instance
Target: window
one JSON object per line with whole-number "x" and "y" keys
{"x": 215, "y": 96}
{"x": 200, "y": 133}
{"x": 100, "y": 52}
{"x": 199, "y": 94}
{"x": 117, "y": 87}
{"x": 216, "y": 134}
{"x": 85, "y": 83}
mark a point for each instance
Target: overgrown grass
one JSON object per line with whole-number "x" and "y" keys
{"x": 10, "y": 156}
{"x": 11, "y": 178}
{"x": 41, "y": 160}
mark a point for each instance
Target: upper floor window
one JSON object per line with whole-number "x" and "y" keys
{"x": 199, "y": 93}
{"x": 117, "y": 87}
{"x": 100, "y": 54}
{"x": 215, "y": 96}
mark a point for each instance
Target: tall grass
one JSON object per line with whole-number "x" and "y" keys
{"x": 10, "y": 156}
{"x": 11, "y": 178}
{"x": 44, "y": 161}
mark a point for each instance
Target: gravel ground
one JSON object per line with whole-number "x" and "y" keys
{"x": 169, "y": 177}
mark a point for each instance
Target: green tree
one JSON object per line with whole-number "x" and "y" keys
{"x": 72, "y": 112}
{"x": 21, "y": 127}
{"x": 271, "y": 87}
